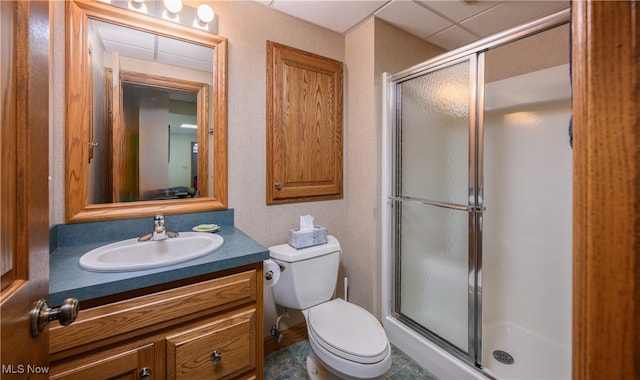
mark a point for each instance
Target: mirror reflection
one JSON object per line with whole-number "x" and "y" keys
{"x": 148, "y": 92}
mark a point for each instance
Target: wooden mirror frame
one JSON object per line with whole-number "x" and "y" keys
{"x": 78, "y": 115}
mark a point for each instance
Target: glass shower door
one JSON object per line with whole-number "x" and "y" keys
{"x": 436, "y": 206}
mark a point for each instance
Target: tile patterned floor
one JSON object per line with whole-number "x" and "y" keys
{"x": 289, "y": 364}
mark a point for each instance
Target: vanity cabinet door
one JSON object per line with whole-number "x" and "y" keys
{"x": 222, "y": 348}
{"x": 125, "y": 363}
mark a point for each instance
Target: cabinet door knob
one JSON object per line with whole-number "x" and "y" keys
{"x": 216, "y": 357}
{"x": 145, "y": 374}
{"x": 42, "y": 314}
{"x": 278, "y": 186}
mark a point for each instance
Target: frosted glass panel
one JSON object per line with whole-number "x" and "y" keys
{"x": 434, "y": 270}
{"x": 435, "y": 135}
{"x": 433, "y": 165}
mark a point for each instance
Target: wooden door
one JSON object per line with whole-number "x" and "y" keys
{"x": 606, "y": 242}
{"x": 117, "y": 130}
{"x": 110, "y": 173}
{"x": 24, "y": 201}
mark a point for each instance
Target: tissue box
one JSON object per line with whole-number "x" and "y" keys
{"x": 303, "y": 239}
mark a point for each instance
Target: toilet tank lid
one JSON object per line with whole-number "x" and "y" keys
{"x": 287, "y": 253}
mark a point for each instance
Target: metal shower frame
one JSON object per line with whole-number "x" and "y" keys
{"x": 475, "y": 54}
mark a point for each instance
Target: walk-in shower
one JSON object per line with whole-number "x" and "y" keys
{"x": 478, "y": 206}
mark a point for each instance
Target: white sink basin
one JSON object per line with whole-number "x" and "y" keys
{"x": 130, "y": 255}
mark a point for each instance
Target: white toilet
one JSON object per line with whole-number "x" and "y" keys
{"x": 345, "y": 340}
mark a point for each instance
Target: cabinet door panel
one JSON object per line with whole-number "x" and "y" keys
{"x": 304, "y": 126}
{"x": 232, "y": 336}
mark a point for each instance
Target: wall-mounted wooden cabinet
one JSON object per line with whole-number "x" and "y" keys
{"x": 210, "y": 329}
{"x": 304, "y": 126}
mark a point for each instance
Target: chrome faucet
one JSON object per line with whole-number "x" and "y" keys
{"x": 159, "y": 232}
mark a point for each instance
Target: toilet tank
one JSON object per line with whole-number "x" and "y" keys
{"x": 309, "y": 276}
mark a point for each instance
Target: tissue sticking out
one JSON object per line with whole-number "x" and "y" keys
{"x": 306, "y": 223}
{"x": 308, "y": 234}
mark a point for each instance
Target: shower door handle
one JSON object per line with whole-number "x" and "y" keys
{"x": 439, "y": 204}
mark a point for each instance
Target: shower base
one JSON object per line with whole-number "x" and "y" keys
{"x": 534, "y": 356}
{"x": 427, "y": 354}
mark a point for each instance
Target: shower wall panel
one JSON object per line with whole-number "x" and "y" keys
{"x": 527, "y": 223}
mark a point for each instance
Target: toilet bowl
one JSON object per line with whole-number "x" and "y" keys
{"x": 345, "y": 340}
{"x": 348, "y": 340}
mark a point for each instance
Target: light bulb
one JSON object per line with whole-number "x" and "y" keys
{"x": 173, "y": 6}
{"x": 205, "y": 14}
{"x": 137, "y": 5}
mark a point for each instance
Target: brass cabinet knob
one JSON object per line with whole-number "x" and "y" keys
{"x": 278, "y": 186}
{"x": 42, "y": 314}
{"x": 216, "y": 357}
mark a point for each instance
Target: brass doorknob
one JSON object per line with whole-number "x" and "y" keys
{"x": 42, "y": 314}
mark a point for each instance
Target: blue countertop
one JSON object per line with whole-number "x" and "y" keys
{"x": 67, "y": 279}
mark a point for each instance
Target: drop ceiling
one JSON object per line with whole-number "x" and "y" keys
{"x": 150, "y": 47}
{"x": 445, "y": 23}
{"x": 448, "y": 24}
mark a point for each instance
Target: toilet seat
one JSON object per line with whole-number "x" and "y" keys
{"x": 348, "y": 331}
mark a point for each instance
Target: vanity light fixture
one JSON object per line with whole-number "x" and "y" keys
{"x": 205, "y": 16}
{"x": 176, "y": 11}
{"x": 172, "y": 8}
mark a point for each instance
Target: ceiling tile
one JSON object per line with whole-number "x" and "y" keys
{"x": 183, "y": 61}
{"x": 446, "y": 23}
{"x": 339, "y": 16}
{"x": 510, "y": 14}
{"x": 457, "y": 10}
{"x": 413, "y": 18}
{"x": 112, "y": 32}
{"x": 186, "y": 49}
{"x": 452, "y": 38}
{"x": 127, "y": 50}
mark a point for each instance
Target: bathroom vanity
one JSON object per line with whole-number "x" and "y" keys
{"x": 199, "y": 319}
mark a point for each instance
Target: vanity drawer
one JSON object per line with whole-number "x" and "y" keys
{"x": 221, "y": 348}
{"x": 125, "y": 362}
{"x": 106, "y": 324}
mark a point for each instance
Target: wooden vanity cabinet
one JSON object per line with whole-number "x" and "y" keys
{"x": 209, "y": 329}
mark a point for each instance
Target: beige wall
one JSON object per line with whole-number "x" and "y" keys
{"x": 373, "y": 48}
{"x": 395, "y": 51}
{"x": 537, "y": 52}
{"x": 248, "y": 26}
{"x": 369, "y": 50}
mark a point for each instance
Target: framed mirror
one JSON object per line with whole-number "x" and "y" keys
{"x": 146, "y": 115}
